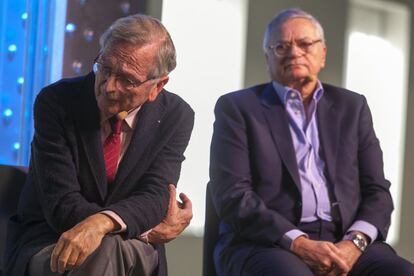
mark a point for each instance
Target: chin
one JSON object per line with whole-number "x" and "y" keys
{"x": 110, "y": 110}
{"x": 299, "y": 75}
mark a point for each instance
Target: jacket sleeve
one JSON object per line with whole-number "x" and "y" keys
{"x": 241, "y": 210}
{"x": 53, "y": 167}
{"x": 376, "y": 203}
{"x": 147, "y": 204}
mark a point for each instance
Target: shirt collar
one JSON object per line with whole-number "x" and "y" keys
{"x": 129, "y": 119}
{"x": 283, "y": 91}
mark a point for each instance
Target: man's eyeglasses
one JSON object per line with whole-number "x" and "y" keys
{"x": 282, "y": 49}
{"x": 124, "y": 82}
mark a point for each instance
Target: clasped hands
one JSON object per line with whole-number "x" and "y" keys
{"x": 327, "y": 258}
{"x": 76, "y": 244}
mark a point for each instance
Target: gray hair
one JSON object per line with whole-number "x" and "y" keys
{"x": 140, "y": 30}
{"x": 287, "y": 15}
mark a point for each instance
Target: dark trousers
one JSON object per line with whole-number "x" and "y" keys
{"x": 379, "y": 259}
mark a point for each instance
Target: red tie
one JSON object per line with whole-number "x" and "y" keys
{"x": 112, "y": 149}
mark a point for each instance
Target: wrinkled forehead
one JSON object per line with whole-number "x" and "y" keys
{"x": 296, "y": 29}
{"x": 132, "y": 57}
{"x": 119, "y": 53}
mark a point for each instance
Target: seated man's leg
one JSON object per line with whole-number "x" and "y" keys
{"x": 380, "y": 259}
{"x": 114, "y": 256}
{"x": 40, "y": 263}
{"x": 275, "y": 261}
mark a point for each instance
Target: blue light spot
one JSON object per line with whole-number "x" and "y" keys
{"x": 20, "y": 80}
{"x": 25, "y": 15}
{"x": 16, "y": 146}
{"x": 8, "y": 112}
{"x": 70, "y": 27}
{"x": 12, "y": 48}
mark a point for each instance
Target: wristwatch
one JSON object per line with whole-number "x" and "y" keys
{"x": 358, "y": 240}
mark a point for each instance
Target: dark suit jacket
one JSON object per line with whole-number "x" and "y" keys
{"x": 254, "y": 176}
{"x": 67, "y": 181}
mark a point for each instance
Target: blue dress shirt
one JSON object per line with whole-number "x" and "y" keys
{"x": 316, "y": 201}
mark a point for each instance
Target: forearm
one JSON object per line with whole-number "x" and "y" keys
{"x": 102, "y": 223}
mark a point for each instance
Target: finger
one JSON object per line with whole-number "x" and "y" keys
{"x": 325, "y": 264}
{"x": 187, "y": 204}
{"x": 187, "y": 208}
{"x": 173, "y": 195}
{"x": 334, "y": 249}
{"x": 339, "y": 263}
{"x": 81, "y": 259}
{"x": 72, "y": 260}
{"x": 63, "y": 259}
{"x": 55, "y": 255}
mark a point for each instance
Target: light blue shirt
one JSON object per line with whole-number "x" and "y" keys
{"x": 316, "y": 201}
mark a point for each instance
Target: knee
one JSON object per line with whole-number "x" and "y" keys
{"x": 403, "y": 268}
{"x": 398, "y": 266}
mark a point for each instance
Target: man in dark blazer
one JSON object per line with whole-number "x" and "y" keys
{"x": 296, "y": 169}
{"x": 73, "y": 215}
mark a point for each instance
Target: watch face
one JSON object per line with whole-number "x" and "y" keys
{"x": 359, "y": 241}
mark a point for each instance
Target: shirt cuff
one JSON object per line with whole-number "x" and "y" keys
{"x": 117, "y": 218}
{"x": 288, "y": 238}
{"x": 364, "y": 227}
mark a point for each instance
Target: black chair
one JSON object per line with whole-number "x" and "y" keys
{"x": 211, "y": 235}
{"x": 12, "y": 179}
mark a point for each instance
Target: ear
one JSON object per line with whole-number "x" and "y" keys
{"x": 161, "y": 82}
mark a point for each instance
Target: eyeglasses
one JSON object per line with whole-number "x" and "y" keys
{"x": 282, "y": 49}
{"x": 124, "y": 82}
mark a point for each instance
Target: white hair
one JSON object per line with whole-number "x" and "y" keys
{"x": 287, "y": 15}
{"x": 140, "y": 30}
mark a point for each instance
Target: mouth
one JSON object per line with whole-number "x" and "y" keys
{"x": 111, "y": 100}
{"x": 110, "y": 97}
{"x": 294, "y": 65}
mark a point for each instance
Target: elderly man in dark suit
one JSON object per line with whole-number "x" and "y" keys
{"x": 296, "y": 169}
{"x": 105, "y": 148}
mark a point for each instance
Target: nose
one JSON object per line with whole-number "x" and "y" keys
{"x": 110, "y": 83}
{"x": 295, "y": 51}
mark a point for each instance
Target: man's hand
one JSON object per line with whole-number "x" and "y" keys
{"x": 177, "y": 219}
{"x": 349, "y": 252}
{"x": 321, "y": 256}
{"x": 76, "y": 244}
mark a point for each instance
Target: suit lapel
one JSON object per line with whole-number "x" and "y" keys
{"x": 88, "y": 122}
{"x": 277, "y": 120}
{"x": 148, "y": 121}
{"x": 328, "y": 128}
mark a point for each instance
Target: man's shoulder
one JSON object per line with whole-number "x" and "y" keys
{"x": 344, "y": 100}
{"x": 247, "y": 96}
{"x": 337, "y": 91}
{"x": 252, "y": 91}
{"x": 173, "y": 101}
{"x": 67, "y": 87}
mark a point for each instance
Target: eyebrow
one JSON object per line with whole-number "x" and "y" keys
{"x": 298, "y": 39}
